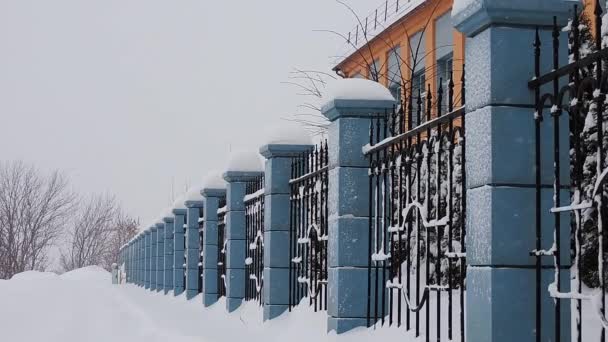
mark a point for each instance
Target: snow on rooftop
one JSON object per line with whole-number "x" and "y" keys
{"x": 246, "y": 161}
{"x": 288, "y": 133}
{"x": 356, "y": 89}
{"x": 385, "y": 15}
{"x": 213, "y": 180}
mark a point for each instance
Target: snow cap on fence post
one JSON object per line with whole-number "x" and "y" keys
{"x": 168, "y": 220}
{"x": 194, "y": 202}
{"x": 242, "y": 167}
{"x": 285, "y": 143}
{"x": 500, "y": 183}
{"x": 179, "y": 212}
{"x": 214, "y": 188}
{"x": 349, "y": 105}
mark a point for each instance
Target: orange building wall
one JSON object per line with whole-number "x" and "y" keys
{"x": 398, "y": 35}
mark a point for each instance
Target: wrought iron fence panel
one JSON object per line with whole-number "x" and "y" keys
{"x": 308, "y": 228}
{"x": 221, "y": 248}
{"x": 573, "y": 94}
{"x": 254, "y": 224}
{"x": 417, "y": 255}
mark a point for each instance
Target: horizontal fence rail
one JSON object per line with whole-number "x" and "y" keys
{"x": 417, "y": 255}
{"x": 308, "y": 232}
{"x": 221, "y": 248}
{"x": 254, "y": 230}
{"x": 576, "y": 94}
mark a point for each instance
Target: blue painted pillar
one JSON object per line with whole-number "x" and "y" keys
{"x": 194, "y": 204}
{"x": 128, "y": 261}
{"x": 132, "y": 258}
{"x": 139, "y": 260}
{"x": 500, "y": 171}
{"x": 210, "y": 243}
{"x": 235, "y": 235}
{"x": 168, "y": 276}
{"x": 153, "y": 256}
{"x": 277, "y": 193}
{"x": 147, "y": 257}
{"x": 348, "y": 230}
{"x": 179, "y": 249}
{"x": 160, "y": 255}
{"x": 142, "y": 258}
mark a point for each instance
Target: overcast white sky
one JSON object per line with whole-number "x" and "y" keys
{"x": 128, "y": 96}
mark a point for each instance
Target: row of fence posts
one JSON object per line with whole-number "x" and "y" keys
{"x": 265, "y": 234}
{"x": 504, "y": 165}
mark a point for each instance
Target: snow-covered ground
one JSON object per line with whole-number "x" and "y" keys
{"x": 83, "y": 306}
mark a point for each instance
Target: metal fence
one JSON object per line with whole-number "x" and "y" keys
{"x": 417, "y": 253}
{"x": 308, "y": 228}
{"x": 221, "y": 248}
{"x": 254, "y": 230}
{"x": 201, "y": 227}
{"x": 573, "y": 94}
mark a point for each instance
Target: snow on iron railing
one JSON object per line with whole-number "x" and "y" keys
{"x": 253, "y": 196}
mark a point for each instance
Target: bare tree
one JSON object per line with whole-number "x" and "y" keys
{"x": 123, "y": 229}
{"x": 311, "y": 83}
{"x": 33, "y": 209}
{"x": 90, "y": 233}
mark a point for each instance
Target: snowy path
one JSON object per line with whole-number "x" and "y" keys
{"x": 84, "y": 306}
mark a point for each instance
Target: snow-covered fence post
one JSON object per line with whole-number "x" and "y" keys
{"x": 160, "y": 255}
{"x": 194, "y": 203}
{"x": 277, "y": 213}
{"x": 213, "y": 190}
{"x": 140, "y": 260}
{"x": 153, "y": 255}
{"x": 349, "y": 108}
{"x": 501, "y": 174}
{"x": 147, "y": 258}
{"x": 242, "y": 167}
{"x": 127, "y": 258}
{"x": 179, "y": 211}
{"x": 168, "y": 220}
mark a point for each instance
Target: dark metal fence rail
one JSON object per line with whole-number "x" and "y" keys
{"x": 417, "y": 264}
{"x": 578, "y": 90}
{"x": 308, "y": 232}
{"x": 201, "y": 227}
{"x": 254, "y": 225}
{"x": 221, "y": 248}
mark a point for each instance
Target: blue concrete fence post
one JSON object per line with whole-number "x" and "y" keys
{"x": 349, "y": 201}
{"x": 127, "y": 252}
{"x": 140, "y": 258}
{"x": 243, "y": 167}
{"x": 147, "y": 258}
{"x": 212, "y": 192}
{"x": 168, "y": 219}
{"x": 277, "y": 213}
{"x": 500, "y": 170}
{"x": 160, "y": 255}
{"x": 179, "y": 270}
{"x": 194, "y": 203}
{"x": 153, "y": 255}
